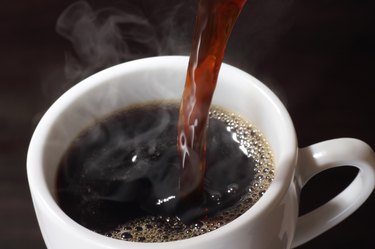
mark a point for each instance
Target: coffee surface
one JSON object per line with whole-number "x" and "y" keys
{"x": 120, "y": 177}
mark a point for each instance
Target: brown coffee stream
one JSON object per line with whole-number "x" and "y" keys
{"x": 214, "y": 22}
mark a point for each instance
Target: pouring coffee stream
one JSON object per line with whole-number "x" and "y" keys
{"x": 214, "y": 22}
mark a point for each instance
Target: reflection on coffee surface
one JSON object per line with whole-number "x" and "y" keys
{"x": 120, "y": 177}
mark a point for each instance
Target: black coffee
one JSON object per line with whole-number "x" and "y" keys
{"x": 120, "y": 177}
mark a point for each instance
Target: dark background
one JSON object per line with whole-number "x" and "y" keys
{"x": 318, "y": 56}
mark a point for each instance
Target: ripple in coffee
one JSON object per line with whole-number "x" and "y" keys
{"x": 120, "y": 176}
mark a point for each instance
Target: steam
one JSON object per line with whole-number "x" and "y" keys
{"x": 108, "y": 36}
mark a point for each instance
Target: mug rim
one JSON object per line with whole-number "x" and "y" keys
{"x": 42, "y": 194}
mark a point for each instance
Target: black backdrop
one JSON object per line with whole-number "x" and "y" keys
{"x": 318, "y": 56}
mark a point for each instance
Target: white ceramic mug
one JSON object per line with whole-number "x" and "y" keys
{"x": 272, "y": 222}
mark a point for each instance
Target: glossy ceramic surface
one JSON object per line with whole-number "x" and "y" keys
{"x": 270, "y": 223}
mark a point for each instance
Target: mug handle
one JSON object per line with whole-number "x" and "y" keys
{"x": 330, "y": 154}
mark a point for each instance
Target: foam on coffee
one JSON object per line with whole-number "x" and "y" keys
{"x": 162, "y": 229}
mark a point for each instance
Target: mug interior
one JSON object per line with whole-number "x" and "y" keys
{"x": 155, "y": 79}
